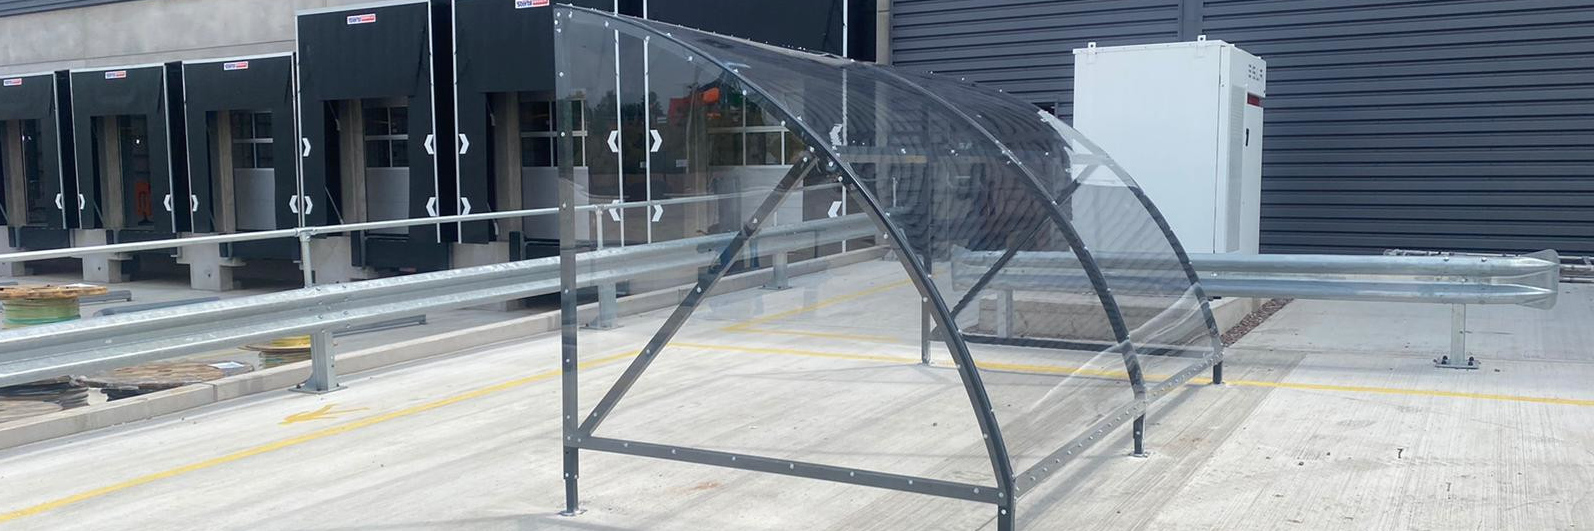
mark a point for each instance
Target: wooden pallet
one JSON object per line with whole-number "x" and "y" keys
{"x": 50, "y": 291}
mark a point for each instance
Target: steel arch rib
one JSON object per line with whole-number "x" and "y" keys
{"x": 1215, "y": 334}
{"x": 996, "y": 447}
{"x": 1087, "y": 261}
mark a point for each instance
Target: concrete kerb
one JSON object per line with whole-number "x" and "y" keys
{"x": 74, "y": 421}
{"x": 1230, "y": 311}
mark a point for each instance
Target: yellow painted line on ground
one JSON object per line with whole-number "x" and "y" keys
{"x": 796, "y": 352}
{"x": 822, "y": 335}
{"x": 1054, "y": 369}
{"x": 805, "y": 309}
{"x": 1413, "y": 392}
{"x": 1153, "y": 378}
{"x": 295, "y": 441}
{"x": 325, "y": 413}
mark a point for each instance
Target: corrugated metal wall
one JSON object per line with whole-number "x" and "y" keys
{"x": 1421, "y": 124}
{"x": 18, "y": 7}
{"x": 1024, "y": 47}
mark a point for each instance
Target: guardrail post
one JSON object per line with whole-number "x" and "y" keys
{"x": 304, "y": 259}
{"x": 1458, "y": 358}
{"x": 323, "y": 365}
{"x": 1004, "y": 313}
{"x": 778, "y": 279}
{"x": 608, "y": 308}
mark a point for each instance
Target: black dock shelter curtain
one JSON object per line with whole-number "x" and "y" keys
{"x": 241, "y": 85}
{"x": 132, "y": 92}
{"x": 500, "y": 47}
{"x": 40, "y": 97}
{"x": 369, "y": 53}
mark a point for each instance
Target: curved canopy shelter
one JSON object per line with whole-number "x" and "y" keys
{"x": 906, "y": 282}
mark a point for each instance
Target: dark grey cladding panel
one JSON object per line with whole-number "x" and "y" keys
{"x": 813, "y": 25}
{"x": 1428, "y": 125}
{"x": 1390, "y": 123}
{"x": 19, "y": 7}
{"x": 1023, "y": 47}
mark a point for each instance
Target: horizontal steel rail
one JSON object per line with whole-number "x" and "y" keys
{"x": 1530, "y": 280}
{"x": 311, "y": 231}
{"x": 1574, "y": 269}
{"x": 88, "y": 345}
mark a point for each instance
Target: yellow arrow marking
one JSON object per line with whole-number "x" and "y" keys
{"x": 324, "y": 413}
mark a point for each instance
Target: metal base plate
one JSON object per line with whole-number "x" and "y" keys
{"x": 302, "y": 388}
{"x": 1444, "y": 362}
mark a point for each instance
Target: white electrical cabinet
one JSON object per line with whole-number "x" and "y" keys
{"x": 1185, "y": 121}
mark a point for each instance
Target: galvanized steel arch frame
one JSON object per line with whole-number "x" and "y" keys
{"x": 1004, "y": 495}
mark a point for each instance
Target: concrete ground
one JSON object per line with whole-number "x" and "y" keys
{"x": 1332, "y": 418}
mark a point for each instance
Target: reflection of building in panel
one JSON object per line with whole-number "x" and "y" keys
{"x": 507, "y": 121}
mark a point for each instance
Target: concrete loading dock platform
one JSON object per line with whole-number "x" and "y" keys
{"x": 1361, "y": 434}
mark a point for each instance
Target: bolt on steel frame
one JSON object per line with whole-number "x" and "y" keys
{"x": 1034, "y": 151}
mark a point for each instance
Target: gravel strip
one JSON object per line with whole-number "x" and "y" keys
{"x": 1253, "y": 320}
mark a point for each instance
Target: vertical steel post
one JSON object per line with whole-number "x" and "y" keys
{"x": 568, "y": 315}
{"x": 1140, "y": 436}
{"x": 323, "y": 365}
{"x": 323, "y": 359}
{"x": 1458, "y": 358}
{"x": 304, "y": 259}
{"x": 608, "y": 311}
{"x": 778, "y": 278}
{"x": 1004, "y": 313}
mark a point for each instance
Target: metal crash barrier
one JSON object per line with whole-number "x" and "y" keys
{"x": 1531, "y": 280}
{"x": 88, "y": 345}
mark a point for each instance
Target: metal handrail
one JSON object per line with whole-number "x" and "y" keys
{"x": 306, "y": 232}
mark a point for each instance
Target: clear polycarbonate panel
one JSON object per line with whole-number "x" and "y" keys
{"x": 822, "y": 367}
{"x": 955, "y": 192}
{"x": 1166, "y": 319}
{"x": 1052, "y": 272}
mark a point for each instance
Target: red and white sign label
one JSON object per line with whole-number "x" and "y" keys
{"x": 13, "y": 82}
{"x": 522, "y": 4}
{"x": 116, "y": 74}
{"x": 367, "y": 18}
{"x": 235, "y": 65}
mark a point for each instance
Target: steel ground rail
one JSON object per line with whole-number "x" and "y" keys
{"x": 95, "y": 344}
